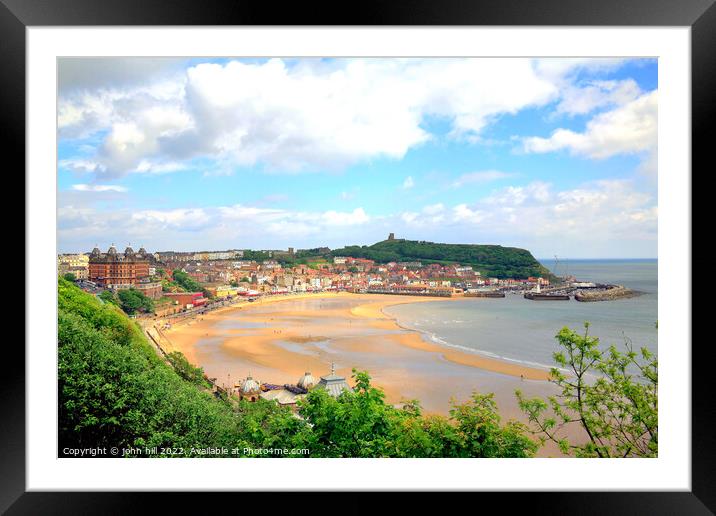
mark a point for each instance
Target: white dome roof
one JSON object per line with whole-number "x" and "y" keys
{"x": 250, "y": 385}
{"x": 306, "y": 381}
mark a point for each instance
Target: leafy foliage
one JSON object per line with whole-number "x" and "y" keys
{"x": 132, "y": 300}
{"x": 188, "y": 284}
{"x": 187, "y": 371}
{"x": 69, "y": 276}
{"x": 108, "y": 297}
{"x": 361, "y": 424}
{"x": 115, "y": 391}
{"x": 618, "y": 410}
{"x": 490, "y": 260}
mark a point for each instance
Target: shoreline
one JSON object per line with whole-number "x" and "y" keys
{"x": 271, "y": 344}
{"x": 475, "y": 358}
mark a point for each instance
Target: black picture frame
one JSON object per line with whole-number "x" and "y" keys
{"x": 700, "y": 15}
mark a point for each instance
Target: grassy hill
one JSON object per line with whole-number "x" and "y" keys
{"x": 114, "y": 390}
{"x": 491, "y": 260}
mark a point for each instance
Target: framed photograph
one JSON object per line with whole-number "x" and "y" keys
{"x": 432, "y": 248}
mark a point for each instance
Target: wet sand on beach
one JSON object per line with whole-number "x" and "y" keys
{"x": 281, "y": 338}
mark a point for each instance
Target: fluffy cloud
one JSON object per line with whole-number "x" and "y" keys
{"x": 98, "y": 188}
{"x": 603, "y": 211}
{"x": 599, "y": 218}
{"x": 462, "y": 213}
{"x": 289, "y": 117}
{"x": 584, "y": 98}
{"x": 596, "y": 219}
{"x": 628, "y": 129}
{"x": 214, "y": 224}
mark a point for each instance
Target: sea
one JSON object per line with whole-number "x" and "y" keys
{"x": 523, "y": 331}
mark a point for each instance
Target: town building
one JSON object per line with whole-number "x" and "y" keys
{"x": 153, "y": 290}
{"x": 250, "y": 389}
{"x": 118, "y": 270}
{"x": 334, "y": 384}
{"x": 187, "y": 299}
{"x": 77, "y": 264}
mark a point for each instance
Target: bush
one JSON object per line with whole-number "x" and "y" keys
{"x": 132, "y": 300}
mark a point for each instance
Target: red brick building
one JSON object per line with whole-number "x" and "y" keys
{"x": 151, "y": 290}
{"x": 187, "y": 298}
{"x": 115, "y": 270}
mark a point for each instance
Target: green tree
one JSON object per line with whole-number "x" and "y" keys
{"x": 70, "y": 277}
{"x": 612, "y": 396}
{"x": 362, "y": 424}
{"x": 188, "y": 283}
{"x": 114, "y": 390}
{"x": 108, "y": 297}
{"x": 355, "y": 424}
{"x": 186, "y": 370}
{"x": 132, "y": 300}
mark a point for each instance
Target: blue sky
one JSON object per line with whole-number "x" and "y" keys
{"x": 554, "y": 155}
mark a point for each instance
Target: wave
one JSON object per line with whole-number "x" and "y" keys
{"x": 436, "y": 339}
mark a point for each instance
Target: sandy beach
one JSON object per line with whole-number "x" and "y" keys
{"x": 278, "y": 339}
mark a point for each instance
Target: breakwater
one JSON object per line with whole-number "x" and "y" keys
{"x": 546, "y": 296}
{"x": 609, "y": 293}
{"x": 429, "y": 293}
{"x": 484, "y": 294}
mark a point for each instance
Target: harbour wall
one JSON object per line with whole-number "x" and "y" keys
{"x": 610, "y": 293}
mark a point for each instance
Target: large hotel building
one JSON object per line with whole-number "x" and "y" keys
{"x": 115, "y": 270}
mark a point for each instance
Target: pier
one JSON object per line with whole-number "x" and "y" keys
{"x": 484, "y": 293}
{"x": 594, "y": 292}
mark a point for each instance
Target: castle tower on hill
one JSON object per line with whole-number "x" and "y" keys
{"x": 391, "y": 236}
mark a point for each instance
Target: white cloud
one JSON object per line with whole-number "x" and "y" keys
{"x": 603, "y": 218}
{"x": 628, "y": 129}
{"x": 98, "y": 188}
{"x": 536, "y": 191}
{"x": 221, "y": 224}
{"x": 81, "y": 166}
{"x": 314, "y": 115}
{"x": 409, "y": 217}
{"x": 336, "y": 218}
{"x": 462, "y": 213}
{"x": 601, "y": 213}
{"x": 408, "y": 183}
{"x": 584, "y": 98}
{"x": 434, "y": 209}
{"x": 148, "y": 167}
{"x": 561, "y": 69}
{"x": 189, "y": 219}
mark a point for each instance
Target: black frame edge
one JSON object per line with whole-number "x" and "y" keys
{"x": 699, "y": 14}
{"x": 703, "y": 114}
{"x": 12, "y": 128}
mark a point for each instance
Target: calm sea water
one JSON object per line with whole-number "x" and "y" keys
{"x": 521, "y": 330}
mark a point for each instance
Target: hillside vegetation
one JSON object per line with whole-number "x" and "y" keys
{"x": 115, "y": 391}
{"x": 491, "y": 260}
